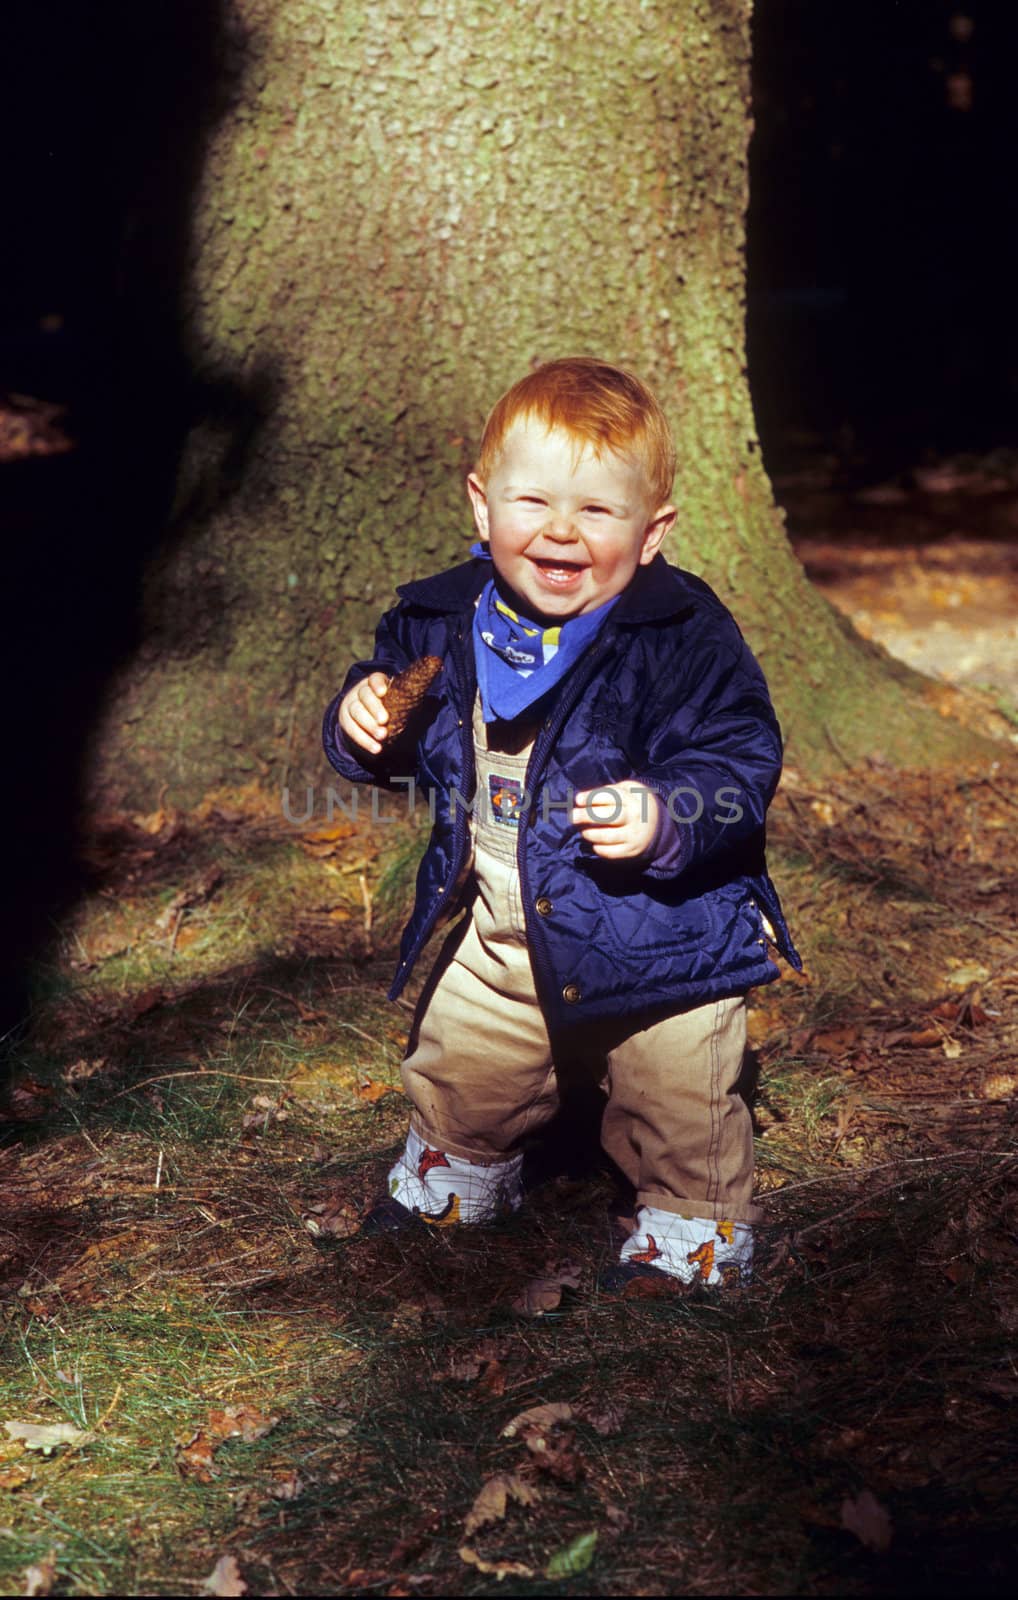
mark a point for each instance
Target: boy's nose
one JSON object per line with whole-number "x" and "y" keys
{"x": 560, "y": 528}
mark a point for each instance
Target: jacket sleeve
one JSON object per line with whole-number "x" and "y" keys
{"x": 393, "y": 652}
{"x": 714, "y": 754}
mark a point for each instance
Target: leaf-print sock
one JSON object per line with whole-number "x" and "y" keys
{"x": 694, "y": 1249}
{"x": 442, "y": 1189}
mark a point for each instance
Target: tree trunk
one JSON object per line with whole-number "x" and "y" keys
{"x": 402, "y": 208}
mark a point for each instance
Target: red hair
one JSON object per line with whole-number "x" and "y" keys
{"x": 602, "y": 406}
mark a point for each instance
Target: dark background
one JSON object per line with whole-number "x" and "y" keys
{"x": 881, "y": 326}
{"x": 883, "y": 227}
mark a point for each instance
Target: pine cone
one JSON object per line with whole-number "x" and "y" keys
{"x": 406, "y": 692}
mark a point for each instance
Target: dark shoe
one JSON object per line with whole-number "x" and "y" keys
{"x": 636, "y": 1278}
{"x": 389, "y": 1216}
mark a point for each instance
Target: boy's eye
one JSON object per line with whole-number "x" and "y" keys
{"x": 601, "y": 510}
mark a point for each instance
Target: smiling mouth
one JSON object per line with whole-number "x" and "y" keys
{"x": 554, "y": 564}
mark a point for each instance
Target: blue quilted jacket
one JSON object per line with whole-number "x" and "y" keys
{"x": 667, "y": 693}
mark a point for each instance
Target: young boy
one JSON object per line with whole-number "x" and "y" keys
{"x": 601, "y": 751}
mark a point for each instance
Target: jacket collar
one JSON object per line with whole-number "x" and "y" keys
{"x": 655, "y": 591}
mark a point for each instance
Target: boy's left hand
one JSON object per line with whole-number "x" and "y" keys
{"x": 620, "y": 820}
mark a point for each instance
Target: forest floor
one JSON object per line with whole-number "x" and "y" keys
{"x": 210, "y": 1384}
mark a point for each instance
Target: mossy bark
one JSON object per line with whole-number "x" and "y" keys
{"x": 403, "y": 207}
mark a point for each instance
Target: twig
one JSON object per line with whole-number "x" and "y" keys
{"x": 832, "y": 741}
{"x": 728, "y": 1355}
{"x": 1001, "y": 794}
{"x": 359, "y": 1031}
{"x": 176, "y": 930}
{"x": 163, "y": 1077}
{"x": 865, "y": 1172}
{"x": 107, "y": 1414}
{"x": 289, "y": 740}
{"x": 871, "y": 1194}
{"x": 366, "y": 897}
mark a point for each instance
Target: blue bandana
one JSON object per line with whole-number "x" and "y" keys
{"x": 518, "y": 660}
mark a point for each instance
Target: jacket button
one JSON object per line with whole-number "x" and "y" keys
{"x": 571, "y": 994}
{"x": 544, "y": 906}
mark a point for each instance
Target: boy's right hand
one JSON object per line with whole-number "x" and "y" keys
{"x": 362, "y": 716}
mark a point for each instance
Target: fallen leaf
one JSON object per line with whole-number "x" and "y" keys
{"x": 225, "y": 1578}
{"x": 240, "y": 1422}
{"x": 999, "y": 1086}
{"x": 462, "y": 1371}
{"x": 495, "y": 1569}
{"x": 287, "y": 1486}
{"x": 959, "y": 1271}
{"x": 555, "y": 1456}
{"x": 573, "y": 1557}
{"x": 28, "y": 1101}
{"x": 41, "y": 1575}
{"x": 47, "y": 1436}
{"x": 493, "y": 1497}
{"x": 605, "y": 1420}
{"x": 334, "y": 1219}
{"x": 545, "y": 1293}
{"x": 80, "y": 1071}
{"x": 493, "y": 1378}
{"x": 868, "y": 1520}
{"x": 951, "y": 1049}
{"x": 545, "y": 1416}
{"x": 916, "y": 1040}
{"x": 370, "y": 1089}
{"x": 195, "y": 1458}
{"x": 14, "y": 1476}
{"x": 266, "y": 1110}
{"x": 963, "y": 977}
{"x": 836, "y": 1041}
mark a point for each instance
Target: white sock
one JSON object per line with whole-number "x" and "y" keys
{"x": 443, "y": 1189}
{"x": 694, "y": 1249}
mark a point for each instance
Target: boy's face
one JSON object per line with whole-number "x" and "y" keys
{"x": 566, "y": 529}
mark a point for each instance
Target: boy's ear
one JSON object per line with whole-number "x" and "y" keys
{"x": 479, "y": 502}
{"x": 660, "y": 524}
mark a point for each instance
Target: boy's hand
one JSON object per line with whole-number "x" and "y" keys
{"x": 362, "y": 716}
{"x": 619, "y": 820}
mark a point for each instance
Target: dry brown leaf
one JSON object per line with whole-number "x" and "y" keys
{"x": 555, "y": 1456}
{"x": 545, "y": 1416}
{"x": 495, "y": 1569}
{"x": 545, "y": 1293}
{"x": 493, "y": 1497}
{"x": 47, "y": 1436}
{"x": 225, "y": 1578}
{"x": 265, "y": 1111}
{"x": 240, "y": 1422}
{"x": 28, "y": 1101}
{"x": 369, "y": 1089}
{"x": 868, "y": 1520}
{"x": 41, "y": 1575}
{"x": 195, "y": 1458}
{"x": 464, "y": 1370}
{"x": 836, "y": 1041}
{"x": 999, "y": 1086}
{"x": 493, "y": 1379}
{"x": 334, "y": 1219}
{"x": 919, "y": 1040}
{"x": 14, "y": 1476}
{"x": 606, "y": 1419}
{"x": 287, "y": 1485}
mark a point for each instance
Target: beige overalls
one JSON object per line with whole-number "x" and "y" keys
{"x": 479, "y": 1069}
